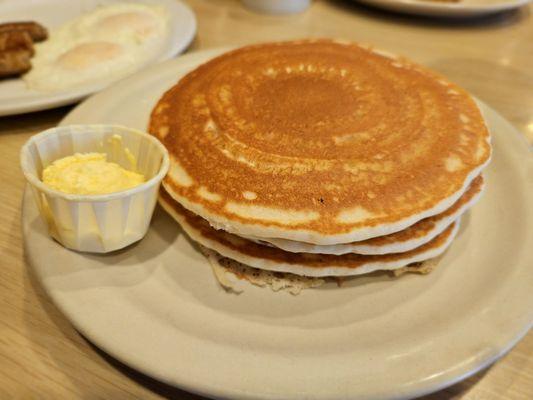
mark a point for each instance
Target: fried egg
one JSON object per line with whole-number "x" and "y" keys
{"x": 107, "y": 43}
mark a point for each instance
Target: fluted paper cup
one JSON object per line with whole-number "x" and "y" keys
{"x": 96, "y": 223}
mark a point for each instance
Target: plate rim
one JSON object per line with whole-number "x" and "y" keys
{"x": 442, "y": 9}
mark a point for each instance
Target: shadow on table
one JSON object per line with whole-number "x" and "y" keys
{"x": 501, "y": 19}
{"x": 162, "y": 389}
{"x": 34, "y": 120}
{"x": 457, "y": 391}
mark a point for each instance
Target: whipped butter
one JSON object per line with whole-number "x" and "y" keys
{"x": 89, "y": 174}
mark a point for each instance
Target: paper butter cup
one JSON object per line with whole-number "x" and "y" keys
{"x": 96, "y": 223}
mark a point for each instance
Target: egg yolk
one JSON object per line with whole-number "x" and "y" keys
{"x": 89, "y": 54}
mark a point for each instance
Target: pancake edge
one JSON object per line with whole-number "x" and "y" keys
{"x": 299, "y": 269}
{"x": 397, "y": 247}
{"x": 260, "y": 231}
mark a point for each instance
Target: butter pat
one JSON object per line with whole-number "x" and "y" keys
{"x": 89, "y": 174}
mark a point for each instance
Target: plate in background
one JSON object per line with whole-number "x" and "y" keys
{"x": 461, "y": 9}
{"x": 157, "y": 307}
{"x": 16, "y": 98}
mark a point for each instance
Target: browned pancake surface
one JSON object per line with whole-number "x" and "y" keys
{"x": 422, "y": 227}
{"x": 347, "y": 136}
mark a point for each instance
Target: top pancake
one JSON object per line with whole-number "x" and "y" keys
{"x": 318, "y": 141}
{"x": 408, "y": 239}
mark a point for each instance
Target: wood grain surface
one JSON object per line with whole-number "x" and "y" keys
{"x": 42, "y": 356}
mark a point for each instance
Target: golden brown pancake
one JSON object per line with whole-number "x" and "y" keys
{"x": 271, "y": 258}
{"x": 411, "y": 237}
{"x": 318, "y": 141}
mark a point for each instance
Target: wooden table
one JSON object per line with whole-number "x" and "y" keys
{"x": 42, "y": 356}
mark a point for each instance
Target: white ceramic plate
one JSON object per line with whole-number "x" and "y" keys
{"x": 157, "y": 307}
{"x": 16, "y": 98}
{"x": 462, "y": 9}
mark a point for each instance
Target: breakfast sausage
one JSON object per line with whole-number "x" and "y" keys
{"x": 14, "y": 62}
{"x": 36, "y": 31}
{"x": 16, "y": 40}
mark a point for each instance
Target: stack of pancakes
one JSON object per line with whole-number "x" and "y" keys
{"x": 320, "y": 158}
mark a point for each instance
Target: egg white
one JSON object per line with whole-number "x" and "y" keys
{"x": 107, "y": 43}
